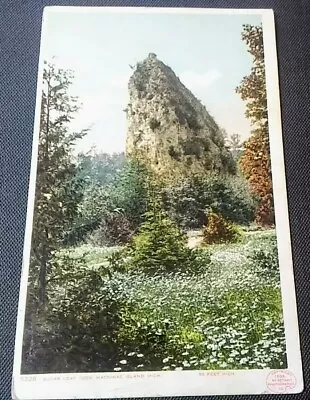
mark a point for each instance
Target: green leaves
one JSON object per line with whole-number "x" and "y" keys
{"x": 104, "y": 317}
{"x": 159, "y": 245}
{"x": 112, "y": 208}
{"x": 230, "y": 319}
{"x": 57, "y": 193}
{"x": 187, "y": 201}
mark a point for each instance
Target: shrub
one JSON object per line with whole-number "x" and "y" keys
{"x": 160, "y": 246}
{"x": 264, "y": 260}
{"x": 192, "y": 122}
{"x": 84, "y": 306}
{"x": 95, "y": 202}
{"x": 219, "y": 230}
{"x": 154, "y": 124}
{"x": 173, "y": 153}
{"x": 228, "y": 161}
{"x": 116, "y": 261}
{"x": 129, "y": 192}
{"x": 196, "y": 146}
{"x": 102, "y": 317}
{"x": 183, "y": 205}
{"x": 114, "y": 229}
{"x": 126, "y": 193}
{"x": 228, "y": 196}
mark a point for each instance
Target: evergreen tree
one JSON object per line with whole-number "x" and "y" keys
{"x": 99, "y": 167}
{"x": 130, "y": 193}
{"x": 57, "y": 194}
{"x": 255, "y": 162}
{"x": 160, "y": 246}
{"x": 112, "y": 208}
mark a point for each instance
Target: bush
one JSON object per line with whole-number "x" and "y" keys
{"x": 154, "y": 124}
{"x": 160, "y": 246}
{"x": 184, "y": 206}
{"x": 117, "y": 262}
{"x": 83, "y": 315}
{"x": 92, "y": 208}
{"x": 219, "y": 230}
{"x": 103, "y": 317}
{"x": 228, "y": 196}
{"x": 173, "y": 153}
{"x": 97, "y": 212}
{"x": 114, "y": 229}
{"x": 264, "y": 259}
{"x": 129, "y": 192}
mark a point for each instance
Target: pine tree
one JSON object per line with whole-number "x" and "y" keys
{"x": 130, "y": 193}
{"x": 255, "y": 161}
{"x": 57, "y": 194}
{"x": 159, "y": 246}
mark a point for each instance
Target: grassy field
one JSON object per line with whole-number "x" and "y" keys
{"x": 229, "y": 315}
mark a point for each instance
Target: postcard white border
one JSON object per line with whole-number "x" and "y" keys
{"x": 173, "y": 383}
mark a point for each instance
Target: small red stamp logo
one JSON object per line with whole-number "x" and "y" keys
{"x": 281, "y": 381}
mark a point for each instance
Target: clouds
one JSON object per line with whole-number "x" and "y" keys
{"x": 194, "y": 80}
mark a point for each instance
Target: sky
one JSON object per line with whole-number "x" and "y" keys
{"x": 205, "y": 51}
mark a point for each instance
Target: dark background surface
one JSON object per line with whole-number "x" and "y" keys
{"x": 20, "y": 26}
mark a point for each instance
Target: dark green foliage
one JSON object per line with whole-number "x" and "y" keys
{"x": 228, "y": 161}
{"x": 173, "y": 153}
{"x": 98, "y": 167}
{"x": 92, "y": 209}
{"x": 98, "y": 171}
{"x": 154, "y": 124}
{"x": 58, "y": 192}
{"x": 83, "y": 317}
{"x": 264, "y": 259}
{"x": 104, "y": 316}
{"x": 192, "y": 122}
{"x": 196, "y": 146}
{"x": 116, "y": 261}
{"x": 186, "y": 115}
{"x": 140, "y": 78}
{"x": 228, "y": 196}
{"x": 200, "y": 147}
{"x": 217, "y": 136}
{"x": 193, "y": 146}
{"x": 189, "y": 161}
{"x": 113, "y": 210}
{"x": 129, "y": 192}
{"x": 160, "y": 246}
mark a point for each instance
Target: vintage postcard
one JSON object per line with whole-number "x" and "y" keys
{"x": 157, "y": 257}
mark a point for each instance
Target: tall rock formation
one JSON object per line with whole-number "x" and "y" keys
{"x": 169, "y": 127}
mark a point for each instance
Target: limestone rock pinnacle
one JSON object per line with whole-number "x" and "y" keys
{"x": 169, "y": 127}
